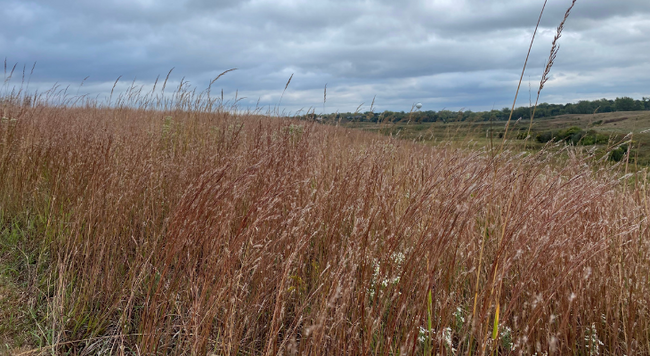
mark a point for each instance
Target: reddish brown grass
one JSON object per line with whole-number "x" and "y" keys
{"x": 189, "y": 232}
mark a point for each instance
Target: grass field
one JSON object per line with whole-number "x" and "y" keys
{"x": 158, "y": 224}
{"x": 187, "y": 231}
{"x": 615, "y": 125}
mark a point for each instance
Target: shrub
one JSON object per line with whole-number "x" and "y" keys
{"x": 544, "y": 137}
{"x": 618, "y": 153}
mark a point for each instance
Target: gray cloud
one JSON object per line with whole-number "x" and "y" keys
{"x": 444, "y": 53}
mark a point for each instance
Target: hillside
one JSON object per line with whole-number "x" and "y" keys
{"x": 132, "y": 231}
{"x": 613, "y": 126}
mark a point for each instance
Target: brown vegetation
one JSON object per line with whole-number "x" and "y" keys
{"x": 615, "y": 120}
{"x": 163, "y": 226}
{"x": 136, "y": 231}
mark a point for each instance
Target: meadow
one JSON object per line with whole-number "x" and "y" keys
{"x": 612, "y": 129}
{"x": 177, "y": 225}
{"x": 177, "y": 228}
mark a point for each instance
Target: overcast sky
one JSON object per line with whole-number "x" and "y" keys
{"x": 450, "y": 54}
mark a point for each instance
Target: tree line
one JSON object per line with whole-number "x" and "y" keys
{"x": 524, "y": 112}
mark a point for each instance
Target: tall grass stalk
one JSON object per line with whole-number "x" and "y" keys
{"x": 555, "y": 48}
{"x": 521, "y": 78}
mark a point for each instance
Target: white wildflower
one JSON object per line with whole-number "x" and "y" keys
{"x": 424, "y": 334}
{"x": 591, "y": 338}
{"x": 458, "y": 314}
{"x": 447, "y": 338}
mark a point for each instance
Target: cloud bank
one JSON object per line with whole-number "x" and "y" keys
{"x": 444, "y": 53}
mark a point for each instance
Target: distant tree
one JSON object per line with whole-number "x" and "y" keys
{"x": 523, "y": 112}
{"x": 627, "y": 104}
{"x": 446, "y": 115}
{"x": 388, "y": 116}
{"x": 584, "y": 107}
{"x": 505, "y": 113}
{"x": 605, "y": 105}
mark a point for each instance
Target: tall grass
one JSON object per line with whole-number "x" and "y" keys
{"x": 188, "y": 230}
{"x": 176, "y": 224}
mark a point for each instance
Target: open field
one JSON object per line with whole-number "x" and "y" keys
{"x": 614, "y": 125}
{"x": 130, "y": 231}
{"x": 622, "y": 122}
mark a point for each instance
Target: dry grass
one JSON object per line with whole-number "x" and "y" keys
{"x": 172, "y": 225}
{"x": 195, "y": 232}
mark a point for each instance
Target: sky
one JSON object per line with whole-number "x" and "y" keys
{"x": 445, "y": 54}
